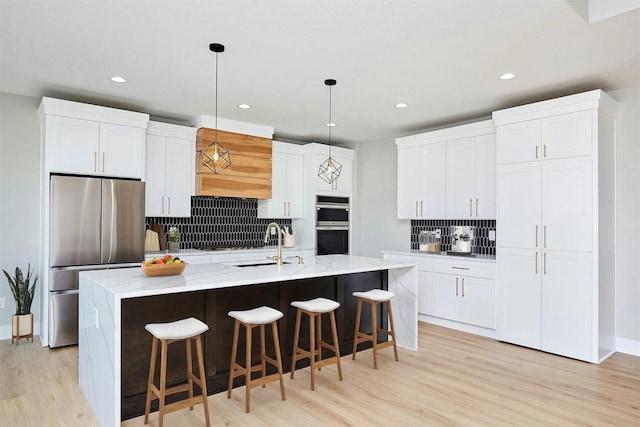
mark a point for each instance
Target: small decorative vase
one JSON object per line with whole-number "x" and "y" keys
{"x": 21, "y": 327}
{"x": 174, "y": 246}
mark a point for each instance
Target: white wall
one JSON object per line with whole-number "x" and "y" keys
{"x": 376, "y": 227}
{"x": 19, "y": 197}
{"x": 628, "y": 220}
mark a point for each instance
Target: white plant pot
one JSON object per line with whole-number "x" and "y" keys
{"x": 174, "y": 246}
{"x": 22, "y": 327}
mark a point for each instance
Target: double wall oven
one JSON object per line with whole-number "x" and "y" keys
{"x": 332, "y": 225}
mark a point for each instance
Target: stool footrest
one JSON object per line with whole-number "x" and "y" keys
{"x": 265, "y": 380}
{"x": 186, "y": 403}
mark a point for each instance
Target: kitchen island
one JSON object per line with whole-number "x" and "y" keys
{"x": 115, "y": 305}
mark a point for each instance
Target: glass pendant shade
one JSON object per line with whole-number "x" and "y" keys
{"x": 214, "y": 156}
{"x": 329, "y": 170}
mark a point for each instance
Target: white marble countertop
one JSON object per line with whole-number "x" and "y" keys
{"x": 132, "y": 283}
{"x": 192, "y": 251}
{"x": 440, "y": 255}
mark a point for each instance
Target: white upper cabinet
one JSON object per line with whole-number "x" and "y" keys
{"x": 121, "y": 151}
{"x": 286, "y": 183}
{"x": 421, "y": 189}
{"x": 170, "y": 159}
{"x": 449, "y": 173}
{"x": 471, "y": 178}
{"x": 91, "y": 140}
{"x": 558, "y": 137}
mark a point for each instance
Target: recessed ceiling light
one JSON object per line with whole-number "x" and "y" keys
{"x": 118, "y": 79}
{"x": 244, "y": 106}
{"x": 401, "y": 105}
{"x": 331, "y": 124}
{"x": 507, "y": 76}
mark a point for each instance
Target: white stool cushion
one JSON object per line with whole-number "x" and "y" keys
{"x": 257, "y": 316}
{"x": 375, "y": 295}
{"x": 318, "y": 305}
{"x": 178, "y": 330}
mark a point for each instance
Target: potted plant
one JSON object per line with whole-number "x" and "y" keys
{"x": 174, "y": 239}
{"x": 23, "y": 291}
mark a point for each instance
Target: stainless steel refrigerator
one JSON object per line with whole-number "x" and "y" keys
{"x": 95, "y": 223}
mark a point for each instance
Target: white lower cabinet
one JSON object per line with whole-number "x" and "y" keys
{"x": 464, "y": 299}
{"x": 545, "y": 300}
{"x": 459, "y": 292}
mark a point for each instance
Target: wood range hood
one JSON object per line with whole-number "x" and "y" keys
{"x": 249, "y": 175}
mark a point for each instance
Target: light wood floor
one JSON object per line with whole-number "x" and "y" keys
{"x": 455, "y": 379}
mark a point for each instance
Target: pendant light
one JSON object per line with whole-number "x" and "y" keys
{"x": 214, "y": 156}
{"x": 330, "y": 169}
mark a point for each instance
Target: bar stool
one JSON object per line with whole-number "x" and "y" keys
{"x": 187, "y": 330}
{"x": 315, "y": 308}
{"x": 250, "y": 319}
{"x": 374, "y": 297}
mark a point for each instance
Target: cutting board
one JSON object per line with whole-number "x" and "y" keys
{"x": 162, "y": 238}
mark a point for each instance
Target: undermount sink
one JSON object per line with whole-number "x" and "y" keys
{"x": 255, "y": 263}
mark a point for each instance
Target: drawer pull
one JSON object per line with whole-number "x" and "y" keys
{"x": 461, "y": 268}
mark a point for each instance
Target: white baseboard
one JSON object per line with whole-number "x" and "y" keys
{"x": 627, "y": 346}
{"x": 477, "y": 330}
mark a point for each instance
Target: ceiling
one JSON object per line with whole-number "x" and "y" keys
{"x": 442, "y": 57}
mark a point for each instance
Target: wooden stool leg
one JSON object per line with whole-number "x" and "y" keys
{"x": 163, "y": 379}
{"x": 189, "y": 370}
{"x": 276, "y": 345}
{"x": 295, "y": 343}
{"x": 234, "y": 352}
{"x": 152, "y": 370}
{"x": 263, "y": 360}
{"x": 392, "y": 330}
{"x": 247, "y": 369}
{"x": 312, "y": 349}
{"x": 334, "y": 332}
{"x": 374, "y": 333}
{"x": 318, "y": 349}
{"x": 203, "y": 379}
{"x": 355, "y": 335}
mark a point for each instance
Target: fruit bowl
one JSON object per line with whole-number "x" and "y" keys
{"x": 162, "y": 269}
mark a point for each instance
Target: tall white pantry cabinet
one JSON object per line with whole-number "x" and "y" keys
{"x": 555, "y": 223}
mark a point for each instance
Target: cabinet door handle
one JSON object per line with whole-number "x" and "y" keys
{"x": 288, "y": 208}
{"x": 169, "y": 202}
{"x": 544, "y": 242}
{"x": 544, "y": 151}
{"x": 537, "y": 235}
{"x": 476, "y": 207}
{"x": 162, "y": 211}
{"x": 536, "y": 265}
{"x": 103, "y": 162}
{"x": 421, "y": 206}
{"x": 460, "y": 268}
{"x": 95, "y": 161}
{"x": 544, "y": 261}
{"x": 536, "y": 151}
{"x": 470, "y": 207}
{"x": 456, "y": 286}
{"x": 284, "y": 208}
{"x": 417, "y": 209}
{"x": 463, "y": 287}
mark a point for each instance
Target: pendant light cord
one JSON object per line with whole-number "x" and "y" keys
{"x": 215, "y": 138}
{"x": 330, "y": 122}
